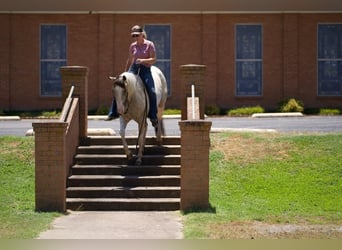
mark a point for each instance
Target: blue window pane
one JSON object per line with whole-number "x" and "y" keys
{"x": 329, "y": 59}
{"x": 330, "y": 78}
{"x": 50, "y": 78}
{"x": 330, "y": 41}
{"x": 160, "y": 35}
{"x": 248, "y": 42}
{"x": 53, "y": 49}
{"x": 248, "y": 60}
{"x": 53, "y": 42}
{"x": 248, "y": 78}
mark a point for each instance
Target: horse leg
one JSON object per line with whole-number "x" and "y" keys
{"x": 123, "y": 125}
{"x": 141, "y": 142}
{"x": 160, "y": 128}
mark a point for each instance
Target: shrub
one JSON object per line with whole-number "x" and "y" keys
{"x": 245, "y": 111}
{"x": 291, "y": 105}
{"x": 102, "y": 110}
{"x": 329, "y": 112}
{"x": 212, "y": 110}
{"x": 172, "y": 112}
{"x": 53, "y": 113}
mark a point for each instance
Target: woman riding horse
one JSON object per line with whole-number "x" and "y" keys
{"x": 142, "y": 55}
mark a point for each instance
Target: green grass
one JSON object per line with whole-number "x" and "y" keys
{"x": 18, "y": 219}
{"x": 273, "y": 178}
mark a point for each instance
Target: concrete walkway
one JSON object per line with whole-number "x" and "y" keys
{"x": 116, "y": 225}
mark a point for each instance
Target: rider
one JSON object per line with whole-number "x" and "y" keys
{"x": 142, "y": 55}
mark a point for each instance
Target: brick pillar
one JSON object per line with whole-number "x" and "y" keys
{"x": 192, "y": 74}
{"x": 195, "y": 143}
{"x": 77, "y": 76}
{"x": 50, "y": 161}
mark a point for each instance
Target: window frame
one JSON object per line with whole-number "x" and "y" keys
{"x": 257, "y": 60}
{"x": 338, "y": 60}
{"x": 42, "y": 60}
{"x": 168, "y": 79}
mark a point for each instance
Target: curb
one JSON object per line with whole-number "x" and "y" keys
{"x": 220, "y": 130}
{"x": 90, "y": 131}
{"x": 270, "y": 115}
{"x": 9, "y": 118}
{"x": 102, "y": 117}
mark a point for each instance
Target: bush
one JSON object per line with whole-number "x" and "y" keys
{"x": 51, "y": 114}
{"x": 212, "y": 110}
{"x": 291, "y": 105}
{"x": 329, "y": 112}
{"x": 102, "y": 110}
{"x": 245, "y": 111}
{"x": 172, "y": 112}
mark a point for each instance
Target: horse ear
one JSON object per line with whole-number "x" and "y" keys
{"x": 113, "y": 78}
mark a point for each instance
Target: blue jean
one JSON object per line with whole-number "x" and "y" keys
{"x": 146, "y": 76}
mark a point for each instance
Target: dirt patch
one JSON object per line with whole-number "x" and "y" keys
{"x": 246, "y": 150}
{"x": 260, "y": 230}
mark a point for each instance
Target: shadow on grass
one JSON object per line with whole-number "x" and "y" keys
{"x": 210, "y": 210}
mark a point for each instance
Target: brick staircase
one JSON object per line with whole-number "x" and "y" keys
{"x": 102, "y": 180}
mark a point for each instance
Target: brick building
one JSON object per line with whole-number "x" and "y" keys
{"x": 256, "y": 52}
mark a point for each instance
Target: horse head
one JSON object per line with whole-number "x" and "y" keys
{"x": 120, "y": 93}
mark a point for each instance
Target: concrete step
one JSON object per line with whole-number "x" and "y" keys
{"x": 123, "y": 204}
{"x": 123, "y": 192}
{"x": 98, "y": 159}
{"x": 125, "y": 170}
{"x": 123, "y": 181}
{"x": 103, "y": 179}
{"x": 131, "y": 140}
{"x": 118, "y": 149}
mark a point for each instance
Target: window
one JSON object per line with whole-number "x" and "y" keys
{"x": 160, "y": 35}
{"x": 329, "y": 59}
{"x": 52, "y": 57}
{"x": 248, "y": 60}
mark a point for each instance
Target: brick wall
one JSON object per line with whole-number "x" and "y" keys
{"x": 195, "y": 142}
{"x": 100, "y": 42}
{"x": 50, "y": 161}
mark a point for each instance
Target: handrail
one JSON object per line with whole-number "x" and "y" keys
{"x": 67, "y": 105}
{"x": 71, "y": 92}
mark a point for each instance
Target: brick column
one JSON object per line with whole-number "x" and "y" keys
{"x": 195, "y": 143}
{"x": 50, "y": 161}
{"x": 192, "y": 74}
{"x": 77, "y": 76}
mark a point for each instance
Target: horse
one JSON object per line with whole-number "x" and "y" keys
{"x": 133, "y": 104}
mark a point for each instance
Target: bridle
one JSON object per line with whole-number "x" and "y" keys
{"x": 120, "y": 83}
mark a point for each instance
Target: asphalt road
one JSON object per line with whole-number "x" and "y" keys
{"x": 280, "y": 124}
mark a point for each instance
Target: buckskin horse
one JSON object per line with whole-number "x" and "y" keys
{"x": 133, "y": 104}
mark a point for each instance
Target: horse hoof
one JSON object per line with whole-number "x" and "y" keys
{"x": 159, "y": 142}
{"x": 129, "y": 156}
{"x": 138, "y": 162}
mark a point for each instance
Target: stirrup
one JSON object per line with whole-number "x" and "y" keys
{"x": 154, "y": 122}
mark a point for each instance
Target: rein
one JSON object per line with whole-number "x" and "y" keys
{"x": 122, "y": 85}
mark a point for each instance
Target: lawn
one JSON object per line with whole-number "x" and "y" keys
{"x": 18, "y": 218}
{"x": 257, "y": 181}
{"x": 292, "y": 181}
